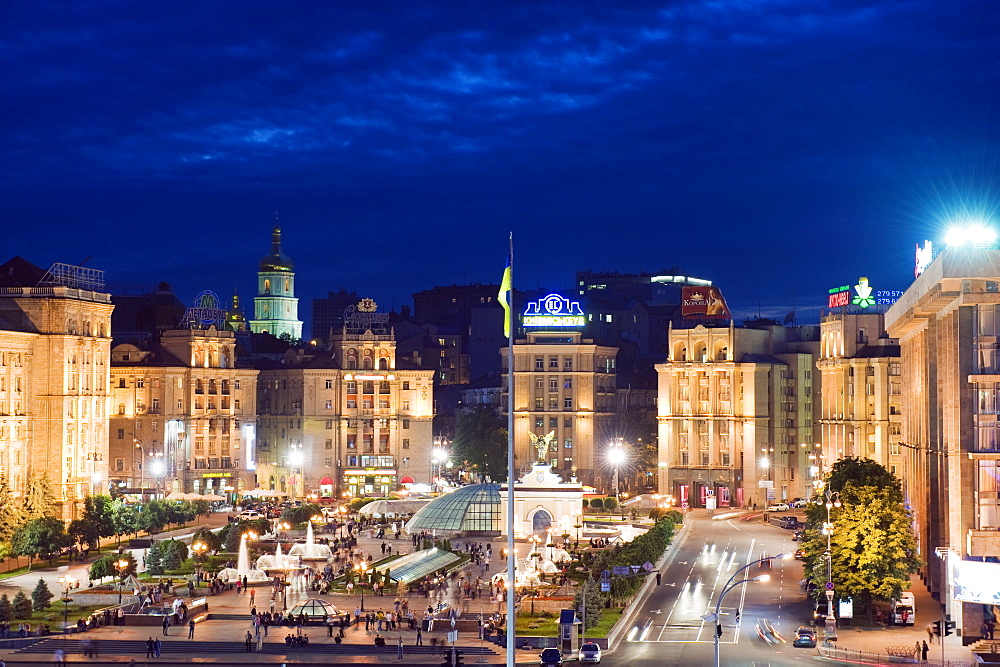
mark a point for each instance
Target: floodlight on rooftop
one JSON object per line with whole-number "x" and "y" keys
{"x": 970, "y": 235}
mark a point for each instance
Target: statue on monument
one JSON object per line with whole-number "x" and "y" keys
{"x": 543, "y": 443}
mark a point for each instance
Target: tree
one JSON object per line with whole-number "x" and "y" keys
{"x": 481, "y": 441}
{"x": 41, "y": 596}
{"x": 210, "y": 538}
{"x": 154, "y": 559}
{"x": 124, "y": 518}
{"x": 6, "y": 609}
{"x": 610, "y": 503}
{"x": 174, "y": 552}
{"x": 84, "y": 531}
{"x": 42, "y": 537}
{"x": 99, "y": 569}
{"x": 201, "y": 507}
{"x": 21, "y": 606}
{"x": 597, "y": 504}
{"x": 39, "y": 501}
{"x": 153, "y": 516}
{"x": 863, "y": 472}
{"x": 300, "y": 513}
{"x": 98, "y": 509}
{"x": 595, "y": 602}
{"x": 11, "y": 515}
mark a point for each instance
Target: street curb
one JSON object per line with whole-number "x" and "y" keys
{"x": 626, "y": 618}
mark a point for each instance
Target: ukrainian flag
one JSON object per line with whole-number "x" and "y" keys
{"x": 504, "y": 297}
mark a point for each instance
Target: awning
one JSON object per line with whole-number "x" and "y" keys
{"x": 326, "y": 481}
{"x": 406, "y": 479}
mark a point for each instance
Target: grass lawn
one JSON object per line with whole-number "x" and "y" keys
{"x": 54, "y": 614}
{"x": 537, "y": 626}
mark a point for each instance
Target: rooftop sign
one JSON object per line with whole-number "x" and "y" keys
{"x": 553, "y": 311}
{"x": 861, "y": 295}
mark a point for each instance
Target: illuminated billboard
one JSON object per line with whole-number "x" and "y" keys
{"x": 862, "y": 295}
{"x": 703, "y": 303}
{"x": 553, "y": 311}
{"x": 975, "y": 581}
{"x": 923, "y": 258}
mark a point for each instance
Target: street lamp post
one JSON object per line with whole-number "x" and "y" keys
{"x": 616, "y": 457}
{"x": 199, "y": 549}
{"x": 832, "y": 500}
{"x": 121, "y": 565}
{"x": 438, "y": 458}
{"x": 295, "y": 457}
{"x": 731, "y": 584}
{"x": 362, "y": 568}
{"x": 67, "y": 582}
{"x": 142, "y": 468}
{"x": 157, "y": 468}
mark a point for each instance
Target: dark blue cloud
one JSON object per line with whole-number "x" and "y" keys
{"x": 776, "y": 146}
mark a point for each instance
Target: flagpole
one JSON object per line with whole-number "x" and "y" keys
{"x": 511, "y": 553}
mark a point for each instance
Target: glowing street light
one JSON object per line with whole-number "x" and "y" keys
{"x": 362, "y": 569}
{"x": 121, "y": 565}
{"x": 616, "y": 457}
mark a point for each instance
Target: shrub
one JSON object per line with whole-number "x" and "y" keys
{"x": 154, "y": 559}
{"x": 597, "y": 504}
{"x": 585, "y": 503}
{"x": 674, "y": 516}
{"x": 610, "y": 503}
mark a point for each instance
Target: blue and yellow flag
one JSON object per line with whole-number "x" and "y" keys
{"x": 503, "y": 296}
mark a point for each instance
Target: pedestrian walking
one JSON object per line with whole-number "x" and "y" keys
{"x": 399, "y": 648}
{"x": 923, "y": 652}
{"x": 930, "y": 633}
{"x": 191, "y": 629}
{"x": 420, "y": 638}
{"x": 149, "y": 647}
{"x": 260, "y": 643}
{"x": 253, "y": 596}
{"x": 59, "y": 658}
{"x": 248, "y": 641}
{"x": 166, "y": 624}
{"x": 157, "y": 647}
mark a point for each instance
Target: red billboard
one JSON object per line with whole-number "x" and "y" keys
{"x": 703, "y": 303}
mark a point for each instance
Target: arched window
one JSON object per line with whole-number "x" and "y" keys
{"x": 121, "y": 408}
{"x": 700, "y": 352}
{"x": 267, "y": 285}
{"x": 199, "y": 387}
{"x": 383, "y": 364}
{"x": 352, "y": 363}
{"x": 281, "y": 485}
{"x": 680, "y": 352}
{"x": 366, "y": 364}
{"x": 288, "y": 285}
{"x": 270, "y": 484}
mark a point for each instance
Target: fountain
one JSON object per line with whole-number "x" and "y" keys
{"x": 242, "y": 569}
{"x": 279, "y": 562}
{"x": 310, "y": 550}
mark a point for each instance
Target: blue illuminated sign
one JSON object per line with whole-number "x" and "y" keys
{"x": 553, "y": 311}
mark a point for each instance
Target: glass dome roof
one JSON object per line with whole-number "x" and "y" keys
{"x": 473, "y": 509}
{"x": 313, "y": 608}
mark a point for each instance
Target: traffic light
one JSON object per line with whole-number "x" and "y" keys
{"x": 937, "y": 628}
{"x": 458, "y": 659}
{"x": 718, "y": 629}
{"x": 949, "y": 627}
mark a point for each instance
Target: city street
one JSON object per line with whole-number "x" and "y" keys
{"x": 671, "y": 630}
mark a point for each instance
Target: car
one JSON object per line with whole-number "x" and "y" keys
{"x": 249, "y": 515}
{"x": 778, "y": 507}
{"x": 640, "y": 630}
{"x": 800, "y": 503}
{"x": 550, "y": 657}
{"x": 800, "y": 554}
{"x": 797, "y": 535}
{"x": 805, "y": 638}
{"x": 820, "y": 611}
{"x": 789, "y": 522}
{"x": 590, "y": 652}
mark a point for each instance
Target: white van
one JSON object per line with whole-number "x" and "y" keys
{"x": 903, "y": 609}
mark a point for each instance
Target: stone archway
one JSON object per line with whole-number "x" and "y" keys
{"x": 541, "y": 521}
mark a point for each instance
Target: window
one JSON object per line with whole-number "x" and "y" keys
{"x": 121, "y": 383}
{"x": 553, "y": 362}
{"x": 329, "y": 423}
{"x": 568, "y": 383}
{"x": 121, "y": 434}
{"x": 352, "y": 459}
{"x": 685, "y": 458}
{"x": 236, "y": 405}
{"x": 328, "y": 462}
{"x": 568, "y": 364}
{"x": 539, "y": 364}
{"x": 236, "y": 384}
{"x": 406, "y": 461}
{"x": 352, "y": 387}
{"x": 725, "y": 458}
{"x": 119, "y": 465}
{"x": 406, "y": 405}
{"x": 406, "y": 385}
{"x": 329, "y": 384}
{"x": 567, "y": 422}
{"x": 406, "y": 443}
{"x": 553, "y": 384}
{"x": 539, "y": 403}
{"x": 406, "y": 423}
{"x": 329, "y": 404}
{"x": 553, "y": 422}
{"x": 140, "y": 383}
{"x": 704, "y": 458}
{"x": 155, "y": 409}
{"x": 567, "y": 403}
{"x": 351, "y": 403}
{"x": 553, "y": 403}
{"x": 568, "y": 443}
{"x": 121, "y": 408}
{"x": 328, "y": 444}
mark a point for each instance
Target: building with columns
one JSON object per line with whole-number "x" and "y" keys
{"x": 341, "y": 418}
{"x": 183, "y": 415}
{"x": 276, "y": 309}
{"x": 736, "y": 414}
{"x": 861, "y": 402}
{"x": 55, "y": 342}
{"x": 948, "y": 326}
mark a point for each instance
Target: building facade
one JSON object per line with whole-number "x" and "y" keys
{"x": 736, "y": 414}
{"x": 55, "y": 342}
{"x": 861, "y": 399}
{"x": 276, "y": 309}
{"x": 948, "y": 326}
{"x": 564, "y": 383}
{"x": 183, "y": 415}
{"x": 343, "y": 419}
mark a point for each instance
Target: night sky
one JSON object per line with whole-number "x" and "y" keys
{"x": 777, "y": 147}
